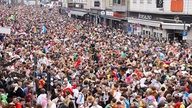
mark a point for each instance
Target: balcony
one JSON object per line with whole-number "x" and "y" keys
{"x": 119, "y": 8}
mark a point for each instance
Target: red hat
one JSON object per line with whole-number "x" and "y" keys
{"x": 41, "y": 83}
{"x": 74, "y": 86}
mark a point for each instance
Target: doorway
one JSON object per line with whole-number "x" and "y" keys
{"x": 178, "y": 37}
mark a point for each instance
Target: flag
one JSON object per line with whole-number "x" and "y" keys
{"x": 68, "y": 10}
{"x": 77, "y": 63}
{"x": 44, "y": 30}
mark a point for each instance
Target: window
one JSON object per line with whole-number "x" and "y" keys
{"x": 118, "y": 1}
{"x": 149, "y": 1}
{"x": 96, "y": 4}
{"x": 141, "y": 1}
{"x": 111, "y": 3}
{"x": 114, "y": 1}
{"x": 70, "y": 1}
{"x": 135, "y": 1}
{"x": 159, "y": 3}
{"x": 122, "y": 2}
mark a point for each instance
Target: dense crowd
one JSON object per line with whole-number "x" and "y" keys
{"x": 53, "y": 61}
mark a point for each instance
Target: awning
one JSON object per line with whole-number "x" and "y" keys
{"x": 92, "y": 14}
{"x": 78, "y": 13}
{"x": 113, "y": 18}
{"x": 174, "y": 26}
{"x": 144, "y": 22}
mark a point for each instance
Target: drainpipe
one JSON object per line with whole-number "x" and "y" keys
{"x": 104, "y": 1}
{"x": 127, "y": 15}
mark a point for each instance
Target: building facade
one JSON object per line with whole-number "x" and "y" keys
{"x": 64, "y": 3}
{"x": 97, "y": 11}
{"x": 78, "y": 8}
{"x": 107, "y": 12}
{"x": 161, "y": 18}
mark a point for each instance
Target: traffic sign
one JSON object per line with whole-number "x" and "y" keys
{"x": 184, "y": 33}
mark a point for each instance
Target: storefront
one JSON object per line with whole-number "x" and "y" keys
{"x": 113, "y": 19}
{"x": 175, "y": 30}
{"x": 144, "y": 27}
{"x": 97, "y": 16}
{"x": 167, "y": 26}
{"x": 77, "y": 11}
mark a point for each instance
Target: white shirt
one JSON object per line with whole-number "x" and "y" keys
{"x": 96, "y": 106}
{"x": 80, "y": 99}
{"x": 76, "y": 92}
{"x": 42, "y": 100}
{"x": 56, "y": 99}
{"x": 117, "y": 96}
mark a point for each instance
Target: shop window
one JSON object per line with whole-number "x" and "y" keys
{"x": 122, "y": 2}
{"x": 143, "y": 32}
{"x": 154, "y": 34}
{"x": 157, "y": 35}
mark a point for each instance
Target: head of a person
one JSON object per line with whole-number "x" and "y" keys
{"x": 15, "y": 100}
{"x": 190, "y": 98}
{"x": 42, "y": 91}
{"x": 22, "y": 101}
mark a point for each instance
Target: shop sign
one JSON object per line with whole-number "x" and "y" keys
{"x": 117, "y": 15}
{"x": 145, "y": 17}
{"x": 78, "y": 5}
{"x": 109, "y": 13}
{"x": 102, "y": 12}
{"x": 79, "y": 1}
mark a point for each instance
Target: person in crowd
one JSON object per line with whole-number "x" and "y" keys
{"x": 51, "y": 60}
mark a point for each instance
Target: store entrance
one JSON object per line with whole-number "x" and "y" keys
{"x": 175, "y": 36}
{"x": 178, "y": 37}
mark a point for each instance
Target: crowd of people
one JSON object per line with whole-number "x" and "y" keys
{"x": 53, "y": 61}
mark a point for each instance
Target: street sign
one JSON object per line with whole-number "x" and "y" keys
{"x": 184, "y": 33}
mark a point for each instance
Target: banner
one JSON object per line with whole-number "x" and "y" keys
{"x": 44, "y": 30}
{"x": 5, "y": 30}
{"x": 129, "y": 29}
{"x": 159, "y": 3}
